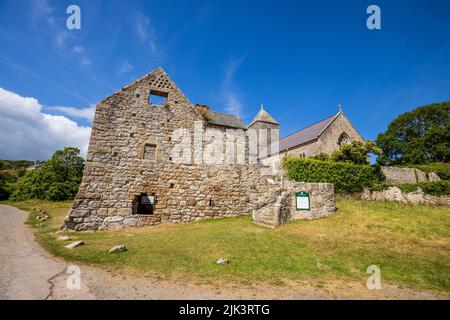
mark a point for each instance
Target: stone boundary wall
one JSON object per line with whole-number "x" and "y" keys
{"x": 396, "y": 194}
{"x": 280, "y": 207}
{"x": 396, "y": 175}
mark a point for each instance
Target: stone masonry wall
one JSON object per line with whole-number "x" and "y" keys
{"x": 396, "y": 194}
{"x": 130, "y": 153}
{"x": 396, "y": 175}
{"x": 329, "y": 138}
{"x": 281, "y": 206}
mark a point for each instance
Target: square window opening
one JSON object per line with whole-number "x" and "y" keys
{"x": 157, "y": 98}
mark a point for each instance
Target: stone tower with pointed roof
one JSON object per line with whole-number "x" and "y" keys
{"x": 268, "y": 133}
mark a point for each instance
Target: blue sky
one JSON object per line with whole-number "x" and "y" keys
{"x": 299, "y": 58}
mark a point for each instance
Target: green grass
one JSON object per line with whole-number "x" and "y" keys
{"x": 411, "y": 245}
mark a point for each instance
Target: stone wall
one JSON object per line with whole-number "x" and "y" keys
{"x": 130, "y": 153}
{"x": 397, "y": 175}
{"x": 330, "y": 137}
{"x": 281, "y": 206}
{"x": 396, "y": 194}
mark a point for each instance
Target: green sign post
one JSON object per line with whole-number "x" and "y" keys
{"x": 302, "y": 200}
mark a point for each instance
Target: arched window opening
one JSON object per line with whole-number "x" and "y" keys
{"x": 344, "y": 139}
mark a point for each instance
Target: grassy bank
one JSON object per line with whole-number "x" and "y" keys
{"x": 411, "y": 245}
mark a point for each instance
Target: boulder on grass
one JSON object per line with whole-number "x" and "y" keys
{"x": 74, "y": 244}
{"x": 119, "y": 248}
{"x": 222, "y": 261}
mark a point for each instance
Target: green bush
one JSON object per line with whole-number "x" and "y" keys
{"x": 355, "y": 152}
{"x": 6, "y": 181}
{"x": 378, "y": 186}
{"x": 437, "y": 188}
{"x": 407, "y": 187}
{"x": 58, "y": 179}
{"x": 346, "y": 177}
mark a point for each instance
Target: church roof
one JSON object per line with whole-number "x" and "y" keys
{"x": 305, "y": 135}
{"x": 263, "y": 116}
{"x": 227, "y": 120}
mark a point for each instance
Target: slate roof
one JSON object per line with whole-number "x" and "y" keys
{"x": 263, "y": 116}
{"x": 305, "y": 135}
{"x": 227, "y": 120}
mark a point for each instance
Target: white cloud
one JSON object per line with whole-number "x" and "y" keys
{"x": 28, "y": 133}
{"x": 85, "y": 113}
{"x": 61, "y": 39}
{"x": 141, "y": 26}
{"x": 86, "y": 61}
{"x": 230, "y": 94}
{"x": 144, "y": 30}
{"x": 41, "y": 9}
{"x": 78, "y": 49}
{"x": 125, "y": 67}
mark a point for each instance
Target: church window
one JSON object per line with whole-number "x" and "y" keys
{"x": 344, "y": 139}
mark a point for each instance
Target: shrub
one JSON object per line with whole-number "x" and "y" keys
{"x": 378, "y": 186}
{"x": 346, "y": 177}
{"x": 6, "y": 181}
{"x": 355, "y": 152}
{"x": 408, "y": 187}
{"x": 58, "y": 179}
{"x": 321, "y": 156}
{"x": 437, "y": 188}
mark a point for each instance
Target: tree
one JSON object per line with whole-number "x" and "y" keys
{"x": 420, "y": 136}
{"x": 6, "y": 181}
{"x": 355, "y": 152}
{"x": 57, "y": 179}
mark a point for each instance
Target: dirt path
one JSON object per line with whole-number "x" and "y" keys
{"x": 28, "y": 272}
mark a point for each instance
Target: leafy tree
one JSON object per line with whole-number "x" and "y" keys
{"x": 6, "y": 181}
{"x": 355, "y": 152}
{"x": 57, "y": 179}
{"x": 420, "y": 136}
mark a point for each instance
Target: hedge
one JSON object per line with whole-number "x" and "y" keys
{"x": 346, "y": 177}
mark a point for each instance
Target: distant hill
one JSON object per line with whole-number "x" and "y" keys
{"x": 15, "y": 164}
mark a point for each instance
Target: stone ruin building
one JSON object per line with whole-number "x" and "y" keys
{"x": 146, "y": 163}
